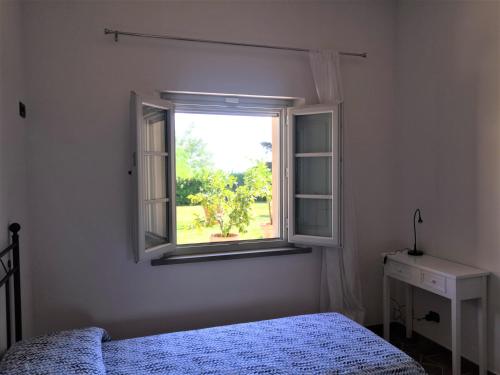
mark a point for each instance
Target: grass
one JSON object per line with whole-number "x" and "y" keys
{"x": 188, "y": 234}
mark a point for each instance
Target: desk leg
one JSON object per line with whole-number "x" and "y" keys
{"x": 456, "y": 342}
{"x": 482, "y": 334}
{"x": 409, "y": 311}
{"x": 387, "y": 307}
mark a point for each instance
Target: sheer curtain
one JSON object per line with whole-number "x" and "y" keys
{"x": 340, "y": 288}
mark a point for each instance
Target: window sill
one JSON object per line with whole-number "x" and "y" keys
{"x": 179, "y": 259}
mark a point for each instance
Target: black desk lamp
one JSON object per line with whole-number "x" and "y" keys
{"x": 416, "y": 252}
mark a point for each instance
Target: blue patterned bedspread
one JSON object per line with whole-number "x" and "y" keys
{"x": 308, "y": 344}
{"x": 67, "y": 352}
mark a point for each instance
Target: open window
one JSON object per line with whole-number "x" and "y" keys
{"x": 224, "y": 173}
{"x": 314, "y": 162}
{"x": 154, "y": 168}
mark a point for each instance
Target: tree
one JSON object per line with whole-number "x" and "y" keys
{"x": 192, "y": 156}
{"x": 267, "y": 146}
{"x": 224, "y": 202}
{"x": 259, "y": 179}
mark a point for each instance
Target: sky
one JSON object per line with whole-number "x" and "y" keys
{"x": 233, "y": 141}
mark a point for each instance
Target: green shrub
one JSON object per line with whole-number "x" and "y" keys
{"x": 224, "y": 202}
{"x": 259, "y": 180}
{"x": 186, "y": 187}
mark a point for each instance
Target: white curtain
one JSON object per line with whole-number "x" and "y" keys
{"x": 340, "y": 288}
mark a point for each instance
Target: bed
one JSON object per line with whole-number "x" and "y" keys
{"x": 328, "y": 343}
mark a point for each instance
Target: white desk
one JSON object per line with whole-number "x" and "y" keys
{"x": 454, "y": 281}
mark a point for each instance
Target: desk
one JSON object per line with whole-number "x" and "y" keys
{"x": 454, "y": 281}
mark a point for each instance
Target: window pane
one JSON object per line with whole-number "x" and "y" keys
{"x": 154, "y": 129}
{"x": 156, "y": 224}
{"x": 313, "y": 133}
{"x": 228, "y": 177}
{"x": 155, "y": 177}
{"x": 313, "y": 175}
{"x": 313, "y": 217}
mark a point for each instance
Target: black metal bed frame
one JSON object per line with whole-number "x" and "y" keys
{"x": 12, "y": 270}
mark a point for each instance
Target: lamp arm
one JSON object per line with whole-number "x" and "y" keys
{"x": 415, "y": 230}
{"x": 416, "y": 252}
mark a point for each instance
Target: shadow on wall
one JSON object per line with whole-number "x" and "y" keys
{"x": 71, "y": 319}
{"x": 182, "y": 321}
{"x": 191, "y": 320}
{"x": 494, "y": 317}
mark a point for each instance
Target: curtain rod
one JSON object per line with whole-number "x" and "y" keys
{"x": 116, "y": 33}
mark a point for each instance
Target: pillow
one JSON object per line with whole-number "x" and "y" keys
{"x": 68, "y": 352}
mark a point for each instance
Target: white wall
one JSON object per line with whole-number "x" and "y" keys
{"x": 13, "y": 150}
{"x": 79, "y": 82}
{"x": 448, "y": 66}
{"x": 441, "y": 154}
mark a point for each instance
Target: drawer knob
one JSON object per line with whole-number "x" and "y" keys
{"x": 434, "y": 281}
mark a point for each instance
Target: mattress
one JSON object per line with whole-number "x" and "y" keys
{"x": 326, "y": 343}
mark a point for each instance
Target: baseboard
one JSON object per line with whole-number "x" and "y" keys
{"x": 378, "y": 329}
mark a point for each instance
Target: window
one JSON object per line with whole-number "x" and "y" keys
{"x": 227, "y": 177}
{"x": 221, "y": 173}
{"x": 314, "y": 161}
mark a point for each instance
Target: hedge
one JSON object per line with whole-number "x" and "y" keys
{"x": 186, "y": 187}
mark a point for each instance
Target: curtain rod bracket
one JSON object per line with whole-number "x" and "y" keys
{"x": 114, "y": 32}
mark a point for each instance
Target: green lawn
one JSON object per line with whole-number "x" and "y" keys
{"x": 188, "y": 233}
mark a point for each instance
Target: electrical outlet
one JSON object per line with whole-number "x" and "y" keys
{"x": 432, "y": 316}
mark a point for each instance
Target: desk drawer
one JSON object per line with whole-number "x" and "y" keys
{"x": 400, "y": 271}
{"x": 434, "y": 281}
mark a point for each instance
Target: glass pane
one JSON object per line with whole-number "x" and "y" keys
{"x": 155, "y": 177}
{"x": 313, "y": 133}
{"x": 227, "y": 177}
{"x": 313, "y": 175}
{"x": 154, "y": 130}
{"x": 156, "y": 224}
{"x": 313, "y": 217}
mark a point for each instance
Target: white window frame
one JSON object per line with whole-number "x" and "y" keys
{"x": 138, "y": 169}
{"x": 336, "y": 176}
{"x": 242, "y": 105}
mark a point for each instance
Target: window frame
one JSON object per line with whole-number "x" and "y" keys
{"x": 239, "y": 105}
{"x": 137, "y": 101}
{"x": 229, "y": 104}
{"x": 336, "y": 175}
